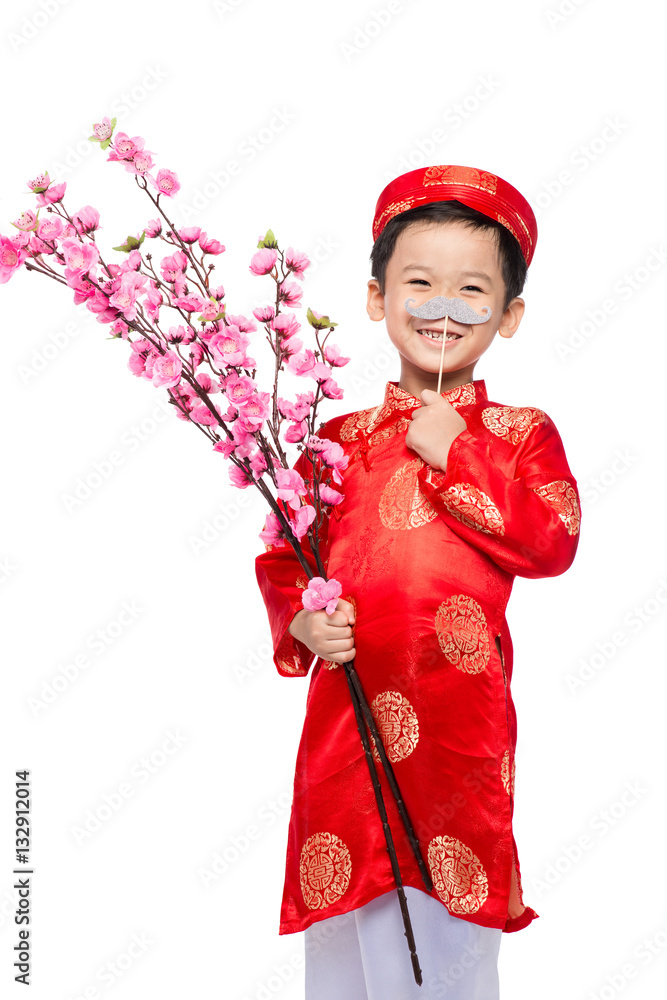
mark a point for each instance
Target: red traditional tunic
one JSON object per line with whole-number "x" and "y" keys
{"x": 428, "y": 559}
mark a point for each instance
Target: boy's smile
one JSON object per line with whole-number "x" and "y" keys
{"x": 454, "y": 261}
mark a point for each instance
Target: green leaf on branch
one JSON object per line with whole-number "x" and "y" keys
{"x": 269, "y": 241}
{"x": 131, "y": 243}
{"x": 319, "y": 322}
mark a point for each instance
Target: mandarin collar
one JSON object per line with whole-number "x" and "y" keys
{"x": 467, "y": 394}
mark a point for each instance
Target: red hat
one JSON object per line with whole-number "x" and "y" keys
{"x": 478, "y": 189}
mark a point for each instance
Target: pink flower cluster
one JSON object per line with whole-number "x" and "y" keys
{"x": 247, "y": 425}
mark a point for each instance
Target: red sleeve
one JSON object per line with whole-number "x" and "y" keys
{"x": 527, "y": 521}
{"x": 282, "y": 579}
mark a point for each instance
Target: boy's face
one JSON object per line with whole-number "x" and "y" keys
{"x": 451, "y": 260}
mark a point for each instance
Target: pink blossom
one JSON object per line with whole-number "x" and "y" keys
{"x": 52, "y": 194}
{"x": 229, "y": 348}
{"x": 258, "y": 464}
{"x": 296, "y": 262}
{"x": 290, "y": 293}
{"x": 84, "y": 289}
{"x": 125, "y": 297}
{"x": 296, "y": 432}
{"x": 202, "y": 415}
{"x": 173, "y": 267}
{"x": 254, "y": 411}
{"x": 211, "y": 310}
{"x": 329, "y": 496}
{"x": 291, "y": 346}
{"x": 244, "y": 324}
{"x": 140, "y": 164}
{"x": 179, "y": 335}
{"x": 218, "y": 292}
{"x": 140, "y": 350}
{"x": 154, "y": 228}
{"x": 11, "y": 258}
{"x": 239, "y": 388}
{"x": 209, "y": 385}
{"x": 132, "y": 262}
{"x": 263, "y": 261}
{"x": 197, "y": 354}
{"x": 321, "y": 594}
{"x": 189, "y": 303}
{"x": 21, "y": 239}
{"x": 50, "y": 228}
{"x": 286, "y": 325}
{"x": 291, "y": 487}
{"x": 334, "y": 357}
{"x": 38, "y": 246}
{"x": 273, "y": 533}
{"x": 86, "y": 220}
{"x": 264, "y": 313}
{"x": 210, "y": 245}
{"x": 244, "y": 440}
{"x": 26, "y": 221}
{"x": 103, "y": 129}
{"x": 167, "y": 370}
{"x": 302, "y": 364}
{"x": 298, "y": 410}
{"x": 40, "y": 183}
{"x": 119, "y": 329}
{"x": 302, "y": 520}
{"x": 153, "y": 300}
{"x": 331, "y": 389}
{"x": 225, "y": 447}
{"x": 334, "y": 456}
{"x": 166, "y": 182}
{"x": 124, "y": 148}
{"x": 320, "y": 372}
{"x": 79, "y": 256}
{"x": 189, "y": 234}
{"x": 239, "y": 476}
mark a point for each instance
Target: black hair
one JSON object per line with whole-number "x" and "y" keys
{"x": 512, "y": 261}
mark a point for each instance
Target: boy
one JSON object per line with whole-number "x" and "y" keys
{"x": 447, "y": 498}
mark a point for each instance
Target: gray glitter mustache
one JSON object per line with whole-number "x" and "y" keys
{"x": 457, "y": 309}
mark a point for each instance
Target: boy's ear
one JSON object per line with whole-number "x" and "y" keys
{"x": 375, "y": 300}
{"x": 509, "y": 322}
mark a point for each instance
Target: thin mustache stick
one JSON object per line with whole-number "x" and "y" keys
{"x": 442, "y": 353}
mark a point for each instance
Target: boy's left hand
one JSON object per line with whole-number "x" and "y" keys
{"x": 433, "y": 428}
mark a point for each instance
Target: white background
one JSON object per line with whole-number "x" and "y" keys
{"x": 569, "y": 107}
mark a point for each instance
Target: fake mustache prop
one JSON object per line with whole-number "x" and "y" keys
{"x": 457, "y": 309}
{"x": 440, "y": 306}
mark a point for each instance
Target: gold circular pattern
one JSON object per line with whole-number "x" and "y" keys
{"x": 563, "y": 498}
{"x": 324, "y": 870}
{"x": 458, "y": 875}
{"x": 302, "y": 581}
{"x": 472, "y": 507}
{"x": 507, "y": 772}
{"x": 397, "y": 723}
{"x": 512, "y": 423}
{"x": 463, "y": 633}
{"x": 402, "y": 504}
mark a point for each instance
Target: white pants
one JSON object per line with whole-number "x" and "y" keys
{"x": 363, "y": 954}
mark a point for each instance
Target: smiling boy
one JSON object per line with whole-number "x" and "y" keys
{"x": 447, "y": 497}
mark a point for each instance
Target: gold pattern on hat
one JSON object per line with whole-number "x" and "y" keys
{"x": 466, "y": 176}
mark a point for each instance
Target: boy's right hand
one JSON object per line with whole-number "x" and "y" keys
{"x": 328, "y": 636}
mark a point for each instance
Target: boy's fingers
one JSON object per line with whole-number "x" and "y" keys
{"x": 348, "y": 610}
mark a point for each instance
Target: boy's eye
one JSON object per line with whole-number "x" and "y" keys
{"x": 418, "y": 281}
{"x": 472, "y": 288}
